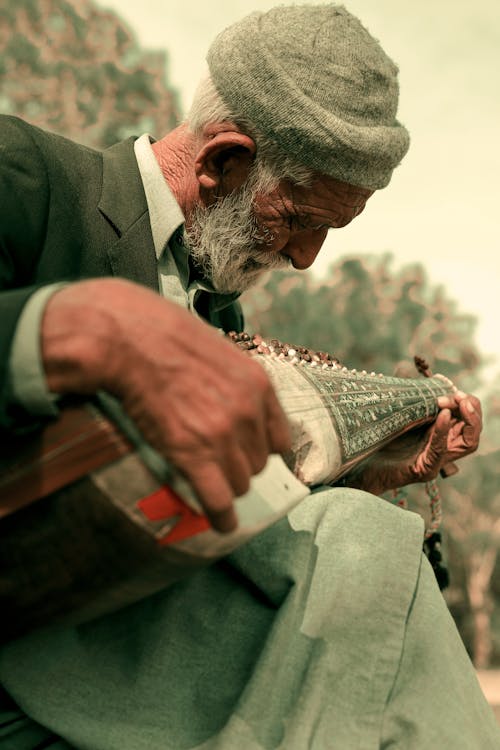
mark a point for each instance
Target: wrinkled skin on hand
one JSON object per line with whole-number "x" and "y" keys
{"x": 419, "y": 455}
{"x": 204, "y": 405}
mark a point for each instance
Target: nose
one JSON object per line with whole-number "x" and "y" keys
{"x": 303, "y": 247}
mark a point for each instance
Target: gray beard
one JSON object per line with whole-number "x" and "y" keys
{"x": 222, "y": 242}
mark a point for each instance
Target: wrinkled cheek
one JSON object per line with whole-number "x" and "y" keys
{"x": 274, "y": 240}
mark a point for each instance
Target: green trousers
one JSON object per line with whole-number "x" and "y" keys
{"x": 327, "y": 631}
{"x": 19, "y": 732}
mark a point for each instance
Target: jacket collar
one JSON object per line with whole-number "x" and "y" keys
{"x": 124, "y": 206}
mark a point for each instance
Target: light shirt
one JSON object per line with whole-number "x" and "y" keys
{"x": 176, "y": 282}
{"x": 176, "y": 279}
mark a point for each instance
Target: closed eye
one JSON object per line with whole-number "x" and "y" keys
{"x": 301, "y": 223}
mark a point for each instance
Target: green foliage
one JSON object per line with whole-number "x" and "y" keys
{"x": 367, "y": 315}
{"x": 70, "y": 67}
{"x": 491, "y": 403}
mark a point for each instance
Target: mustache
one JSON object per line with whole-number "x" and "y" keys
{"x": 265, "y": 261}
{"x": 225, "y": 242}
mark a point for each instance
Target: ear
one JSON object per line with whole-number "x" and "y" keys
{"x": 224, "y": 161}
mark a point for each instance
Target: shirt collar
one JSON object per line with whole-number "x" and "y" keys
{"x": 164, "y": 212}
{"x": 167, "y": 220}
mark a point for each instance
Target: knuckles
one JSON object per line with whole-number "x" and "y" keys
{"x": 242, "y": 485}
{"x": 259, "y": 462}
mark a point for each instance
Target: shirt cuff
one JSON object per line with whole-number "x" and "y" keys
{"x": 26, "y": 373}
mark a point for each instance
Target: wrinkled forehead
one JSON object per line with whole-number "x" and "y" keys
{"x": 330, "y": 188}
{"x": 325, "y": 196}
{"x": 325, "y": 202}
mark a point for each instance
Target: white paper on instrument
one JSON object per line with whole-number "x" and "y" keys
{"x": 127, "y": 482}
{"x": 272, "y": 494}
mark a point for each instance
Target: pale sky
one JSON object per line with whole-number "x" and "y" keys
{"x": 442, "y": 205}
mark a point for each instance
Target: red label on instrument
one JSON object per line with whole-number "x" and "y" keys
{"x": 164, "y": 504}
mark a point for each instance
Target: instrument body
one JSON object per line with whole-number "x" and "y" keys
{"x": 94, "y": 520}
{"x": 339, "y": 417}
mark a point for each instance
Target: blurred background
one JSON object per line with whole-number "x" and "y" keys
{"x": 417, "y": 273}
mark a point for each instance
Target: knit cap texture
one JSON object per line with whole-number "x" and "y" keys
{"x": 313, "y": 80}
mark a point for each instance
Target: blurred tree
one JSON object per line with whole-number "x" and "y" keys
{"x": 70, "y": 67}
{"x": 472, "y": 527}
{"x": 368, "y": 315}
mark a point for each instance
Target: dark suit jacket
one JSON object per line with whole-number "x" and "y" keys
{"x": 68, "y": 212}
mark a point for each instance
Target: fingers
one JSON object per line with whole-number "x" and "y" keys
{"x": 472, "y": 405}
{"x": 215, "y": 495}
{"x": 217, "y": 468}
{"x": 462, "y": 403}
{"x": 447, "y": 402}
{"x": 449, "y": 469}
{"x": 217, "y": 485}
{"x": 206, "y": 407}
{"x": 454, "y": 434}
{"x": 471, "y": 413}
{"x": 220, "y": 432}
{"x": 430, "y": 459}
{"x": 465, "y": 431}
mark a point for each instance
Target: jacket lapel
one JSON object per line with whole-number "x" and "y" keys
{"x": 123, "y": 204}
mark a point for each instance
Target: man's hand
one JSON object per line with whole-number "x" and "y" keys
{"x": 208, "y": 408}
{"x": 419, "y": 455}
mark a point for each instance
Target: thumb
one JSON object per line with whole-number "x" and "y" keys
{"x": 428, "y": 462}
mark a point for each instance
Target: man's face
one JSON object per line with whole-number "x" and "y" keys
{"x": 297, "y": 218}
{"x": 253, "y": 230}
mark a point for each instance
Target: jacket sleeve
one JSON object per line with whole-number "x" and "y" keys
{"x": 24, "y": 201}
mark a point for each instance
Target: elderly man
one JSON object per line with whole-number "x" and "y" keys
{"x": 309, "y": 636}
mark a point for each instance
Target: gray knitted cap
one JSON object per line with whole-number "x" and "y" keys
{"x": 312, "y": 79}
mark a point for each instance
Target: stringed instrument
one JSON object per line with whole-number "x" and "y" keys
{"x": 92, "y": 518}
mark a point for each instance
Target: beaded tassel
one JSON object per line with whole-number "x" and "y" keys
{"x": 432, "y": 539}
{"x": 434, "y": 495}
{"x": 432, "y": 536}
